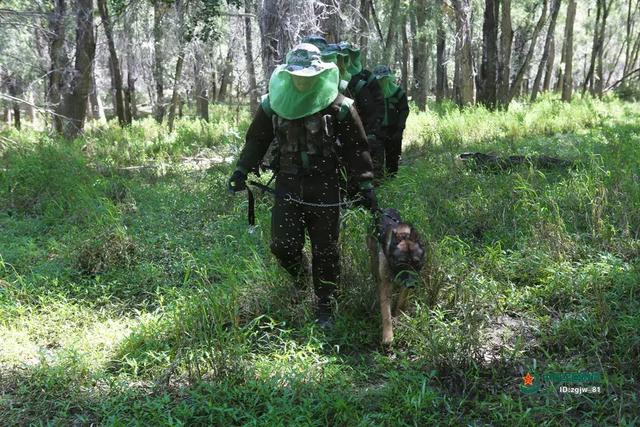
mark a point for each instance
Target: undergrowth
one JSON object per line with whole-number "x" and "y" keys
{"x": 129, "y": 297}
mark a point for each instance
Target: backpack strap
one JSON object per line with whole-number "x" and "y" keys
{"x": 345, "y": 106}
{"x": 266, "y": 106}
{"x": 359, "y": 86}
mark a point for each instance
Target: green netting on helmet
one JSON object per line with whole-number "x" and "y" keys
{"x": 388, "y": 86}
{"x": 355, "y": 63}
{"x": 298, "y": 93}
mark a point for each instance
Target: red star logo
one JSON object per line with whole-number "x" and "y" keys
{"x": 528, "y": 379}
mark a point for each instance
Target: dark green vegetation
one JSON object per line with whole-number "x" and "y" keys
{"x": 139, "y": 296}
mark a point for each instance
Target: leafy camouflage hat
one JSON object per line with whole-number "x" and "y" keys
{"x": 355, "y": 63}
{"x": 382, "y": 71}
{"x": 316, "y": 40}
{"x": 304, "y": 60}
{"x": 304, "y": 85}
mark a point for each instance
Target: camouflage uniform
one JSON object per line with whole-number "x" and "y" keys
{"x": 308, "y": 154}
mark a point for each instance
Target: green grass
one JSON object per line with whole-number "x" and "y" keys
{"x": 143, "y": 299}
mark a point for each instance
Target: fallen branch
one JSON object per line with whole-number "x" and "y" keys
{"x": 623, "y": 78}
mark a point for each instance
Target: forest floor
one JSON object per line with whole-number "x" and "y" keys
{"x": 143, "y": 298}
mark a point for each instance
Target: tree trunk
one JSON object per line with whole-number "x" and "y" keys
{"x": 487, "y": 89}
{"x": 130, "y": 108}
{"x": 516, "y": 87}
{"x": 227, "y": 74}
{"x": 75, "y": 101}
{"x": 95, "y": 104}
{"x": 405, "y": 52}
{"x": 158, "y": 12}
{"x": 588, "y": 80}
{"x": 15, "y": 91}
{"x": 599, "y": 84}
{"x": 504, "y": 66}
{"x": 114, "y": 64}
{"x": 175, "y": 98}
{"x": 628, "y": 54}
{"x": 465, "y": 81}
{"x": 328, "y": 15}
{"x": 364, "y": 28}
{"x": 546, "y": 54}
{"x": 59, "y": 58}
{"x": 202, "y": 101}
{"x": 420, "y": 56}
{"x": 251, "y": 69}
{"x": 441, "y": 67}
{"x": 272, "y": 43}
{"x": 546, "y": 85}
{"x": 567, "y": 82}
{"x": 387, "y": 54}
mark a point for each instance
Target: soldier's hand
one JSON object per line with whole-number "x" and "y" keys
{"x": 238, "y": 181}
{"x": 369, "y": 199}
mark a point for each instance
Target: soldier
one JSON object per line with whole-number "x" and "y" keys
{"x": 309, "y": 119}
{"x": 360, "y": 85}
{"x": 395, "y": 117}
{"x": 367, "y": 93}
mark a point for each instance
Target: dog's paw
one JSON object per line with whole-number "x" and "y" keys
{"x": 387, "y": 339}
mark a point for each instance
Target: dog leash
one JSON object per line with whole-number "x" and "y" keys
{"x": 251, "y": 216}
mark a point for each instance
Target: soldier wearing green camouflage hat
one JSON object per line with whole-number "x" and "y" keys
{"x": 396, "y": 111}
{"x": 314, "y": 127}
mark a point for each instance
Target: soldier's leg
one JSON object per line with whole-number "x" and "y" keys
{"x": 287, "y": 227}
{"x": 323, "y": 225}
{"x": 377, "y": 148}
{"x": 393, "y": 148}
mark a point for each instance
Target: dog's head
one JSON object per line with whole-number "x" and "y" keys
{"x": 404, "y": 252}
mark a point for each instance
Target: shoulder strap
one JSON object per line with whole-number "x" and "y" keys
{"x": 266, "y": 105}
{"x": 345, "y": 106}
{"x": 359, "y": 86}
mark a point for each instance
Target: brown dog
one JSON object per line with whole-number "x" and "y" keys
{"x": 397, "y": 256}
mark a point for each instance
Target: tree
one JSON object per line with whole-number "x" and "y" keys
{"x": 159, "y": 8}
{"x": 547, "y": 54}
{"x": 59, "y": 59}
{"x": 114, "y": 65}
{"x": 181, "y": 10}
{"x": 251, "y": 69}
{"x": 567, "y": 82}
{"x": 419, "y": 88}
{"x": 465, "y": 88}
{"x": 387, "y": 54}
{"x": 487, "y": 80}
{"x": 441, "y": 67}
{"x": 504, "y": 65}
{"x": 75, "y": 100}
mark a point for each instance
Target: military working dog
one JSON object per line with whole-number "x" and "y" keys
{"x": 397, "y": 256}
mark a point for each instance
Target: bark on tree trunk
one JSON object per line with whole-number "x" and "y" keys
{"x": 546, "y": 85}
{"x": 327, "y": 12}
{"x": 599, "y": 84}
{"x": 546, "y": 54}
{"x": 441, "y": 68}
{"x": 465, "y": 81}
{"x": 405, "y": 52}
{"x": 227, "y": 76}
{"x": 95, "y": 104}
{"x": 272, "y": 49}
{"x": 420, "y": 56}
{"x": 15, "y": 91}
{"x": 488, "y": 70}
{"x": 158, "y": 12}
{"x": 75, "y": 101}
{"x": 202, "y": 101}
{"x": 58, "y": 57}
{"x": 114, "y": 64}
{"x": 251, "y": 69}
{"x": 567, "y": 83}
{"x": 517, "y": 84}
{"x": 504, "y": 66}
{"x": 175, "y": 98}
{"x": 131, "y": 112}
{"x": 588, "y": 80}
{"x": 364, "y": 28}
{"x": 387, "y": 54}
